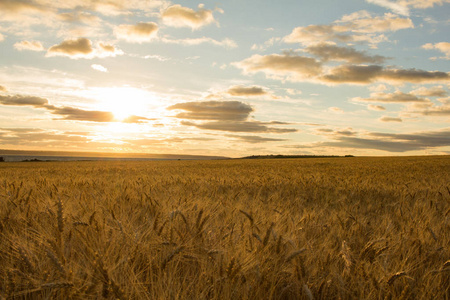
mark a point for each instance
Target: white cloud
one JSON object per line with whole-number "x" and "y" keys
{"x": 99, "y": 68}
{"x": 443, "y": 47}
{"x": 226, "y": 42}
{"x": 394, "y": 6}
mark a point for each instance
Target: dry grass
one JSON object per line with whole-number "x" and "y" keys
{"x": 337, "y": 228}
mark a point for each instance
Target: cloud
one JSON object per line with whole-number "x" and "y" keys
{"x": 139, "y": 33}
{"x": 179, "y": 16}
{"x": 443, "y": 47}
{"x": 436, "y": 91}
{"x": 327, "y": 51}
{"x": 3, "y": 89}
{"x": 213, "y": 110}
{"x": 242, "y": 91}
{"x": 376, "y": 107}
{"x": 76, "y": 114}
{"x": 391, "y": 142}
{"x": 224, "y": 116}
{"x": 29, "y": 45}
{"x": 82, "y": 48}
{"x": 79, "y": 17}
{"x": 226, "y": 42}
{"x": 76, "y": 48}
{"x": 402, "y": 7}
{"x": 2, "y": 37}
{"x": 293, "y": 66}
{"x": 363, "y": 74}
{"x": 396, "y": 97}
{"x": 398, "y": 8}
{"x": 239, "y": 126}
{"x": 253, "y": 139}
{"x": 17, "y": 6}
{"x": 357, "y": 27}
{"x": 69, "y": 113}
{"x": 390, "y": 119}
{"x": 99, "y": 68}
{"x": 21, "y": 100}
{"x": 136, "y": 119}
{"x": 335, "y": 110}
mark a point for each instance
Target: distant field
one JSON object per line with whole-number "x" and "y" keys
{"x": 317, "y": 228}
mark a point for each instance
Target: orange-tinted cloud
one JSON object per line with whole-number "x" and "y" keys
{"x": 22, "y": 100}
{"x": 363, "y": 74}
{"x": 82, "y": 48}
{"x": 327, "y": 51}
{"x": 76, "y": 114}
{"x": 390, "y": 119}
{"x": 139, "y": 33}
{"x": 73, "y": 48}
{"x": 243, "y": 91}
{"x": 3, "y": 89}
{"x": 443, "y": 47}
{"x": 179, "y": 16}
{"x": 357, "y": 27}
{"x": 292, "y": 66}
{"x": 396, "y": 97}
{"x": 29, "y": 45}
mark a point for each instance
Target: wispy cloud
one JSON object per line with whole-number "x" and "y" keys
{"x": 29, "y": 45}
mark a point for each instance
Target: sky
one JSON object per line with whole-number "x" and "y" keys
{"x": 230, "y": 78}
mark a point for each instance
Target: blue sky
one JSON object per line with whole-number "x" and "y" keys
{"x": 228, "y": 78}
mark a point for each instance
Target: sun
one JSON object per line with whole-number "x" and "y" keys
{"x": 124, "y": 101}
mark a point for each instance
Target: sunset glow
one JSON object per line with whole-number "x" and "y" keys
{"x": 230, "y": 78}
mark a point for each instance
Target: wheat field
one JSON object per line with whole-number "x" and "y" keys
{"x": 316, "y": 228}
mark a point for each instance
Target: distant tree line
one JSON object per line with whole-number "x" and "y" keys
{"x": 291, "y": 156}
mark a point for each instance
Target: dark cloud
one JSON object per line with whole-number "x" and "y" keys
{"x": 390, "y": 142}
{"x": 242, "y": 91}
{"x": 20, "y": 100}
{"x": 213, "y": 110}
{"x": 367, "y": 74}
{"x": 253, "y": 139}
{"x": 240, "y": 126}
{"x": 326, "y": 51}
